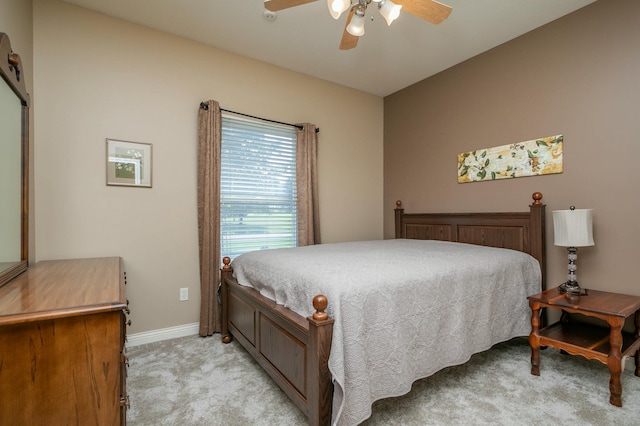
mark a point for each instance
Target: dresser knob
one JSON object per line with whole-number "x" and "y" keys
{"x": 129, "y": 323}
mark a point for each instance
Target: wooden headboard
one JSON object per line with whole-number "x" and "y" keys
{"x": 522, "y": 231}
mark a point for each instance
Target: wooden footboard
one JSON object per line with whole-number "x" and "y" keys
{"x": 292, "y": 349}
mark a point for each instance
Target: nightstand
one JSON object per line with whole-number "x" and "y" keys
{"x": 606, "y": 344}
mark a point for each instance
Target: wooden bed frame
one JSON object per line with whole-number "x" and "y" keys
{"x": 294, "y": 350}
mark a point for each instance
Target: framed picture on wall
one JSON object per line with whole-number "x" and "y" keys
{"x": 128, "y": 163}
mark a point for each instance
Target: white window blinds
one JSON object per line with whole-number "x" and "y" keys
{"x": 258, "y": 200}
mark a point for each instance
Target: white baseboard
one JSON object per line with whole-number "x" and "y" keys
{"x": 145, "y": 337}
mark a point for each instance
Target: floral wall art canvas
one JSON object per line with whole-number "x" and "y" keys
{"x": 541, "y": 156}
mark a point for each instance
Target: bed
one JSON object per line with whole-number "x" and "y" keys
{"x": 329, "y": 360}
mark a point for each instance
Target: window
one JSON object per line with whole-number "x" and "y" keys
{"x": 258, "y": 199}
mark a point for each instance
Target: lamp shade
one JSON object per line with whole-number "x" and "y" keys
{"x": 573, "y": 228}
{"x": 389, "y": 11}
{"x": 356, "y": 27}
{"x": 337, "y": 7}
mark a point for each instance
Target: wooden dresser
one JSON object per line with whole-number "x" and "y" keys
{"x": 62, "y": 334}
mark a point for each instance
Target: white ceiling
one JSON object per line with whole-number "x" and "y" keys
{"x": 306, "y": 38}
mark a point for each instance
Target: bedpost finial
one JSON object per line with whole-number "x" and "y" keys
{"x": 399, "y": 204}
{"x": 226, "y": 261}
{"x": 537, "y": 196}
{"x": 320, "y": 303}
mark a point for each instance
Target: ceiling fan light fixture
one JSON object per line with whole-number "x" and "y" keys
{"x": 389, "y": 10}
{"x": 338, "y": 7}
{"x": 356, "y": 27}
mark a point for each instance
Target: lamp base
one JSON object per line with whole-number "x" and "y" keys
{"x": 572, "y": 288}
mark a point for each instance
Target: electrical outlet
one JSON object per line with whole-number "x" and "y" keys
{"x": 184, "y": 294}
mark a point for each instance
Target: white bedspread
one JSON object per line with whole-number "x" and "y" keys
{"x": 403, "y": 309}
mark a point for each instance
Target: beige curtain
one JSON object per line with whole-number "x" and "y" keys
{"x": 209, "y": 141}
{"x": 307, "y": 184}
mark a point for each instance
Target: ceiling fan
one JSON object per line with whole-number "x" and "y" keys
{"x": 429, "y": 10}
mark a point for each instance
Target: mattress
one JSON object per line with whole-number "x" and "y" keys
{"x": 403, "y": 309}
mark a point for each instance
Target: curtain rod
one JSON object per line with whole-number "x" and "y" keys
{"x": 205, "y": 106}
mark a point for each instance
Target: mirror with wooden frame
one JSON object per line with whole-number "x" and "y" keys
{"x": 14, "y": 161}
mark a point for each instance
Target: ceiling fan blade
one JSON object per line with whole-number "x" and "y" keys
{"x": 349, "y": 41}
{"x": 275, "y": 5}
{"x": 429, "y": 10}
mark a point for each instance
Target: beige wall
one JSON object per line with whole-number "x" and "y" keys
{"x": 16, "y": 21}
{"x": 577, "y": 76}
{"x": 98, "y": 77}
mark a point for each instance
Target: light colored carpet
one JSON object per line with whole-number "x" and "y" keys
{"x": 201, "y": 381}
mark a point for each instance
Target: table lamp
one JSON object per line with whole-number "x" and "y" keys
{"x": 572, "y": 229}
